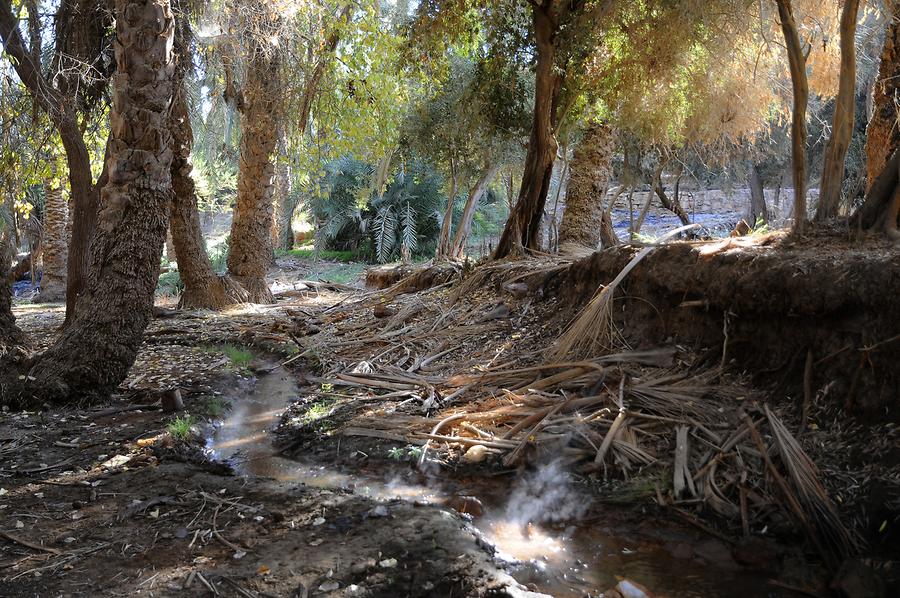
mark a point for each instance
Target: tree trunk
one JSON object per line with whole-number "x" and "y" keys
{"x": 465, "y": 222}
{"x": 287, "y": 203}
{"x": 94, "y": 353}
{"x": 10, "y": 336}
{"x": 800, "y": 85}
{"x": 203, "y": 288}
{"x": 522, "y": 229}
{"x": 844, "y": 115}
{"x": 672, "y": 204}
{"x": 61, "y": 110}
{"x": 582, "y": 220}
{"x": 883, "y": 140}
{"x": 444, "y": 244}
{"x": 250, "y": 251}
{"x": 758, "y": 207}
{"x": 53, "y": 279}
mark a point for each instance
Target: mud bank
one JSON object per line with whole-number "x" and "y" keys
{"x": 771, "y": 306}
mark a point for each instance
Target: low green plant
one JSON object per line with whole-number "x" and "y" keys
{"x": 240, "y": 358}
{"x": 320, "y": 254}
{"x": 169, "y": 284}
{"x": 215, "y": 407}
{"x": 318, "y": 410}
{"x": 409, "y": 452}
{"x": 180, "y": 427}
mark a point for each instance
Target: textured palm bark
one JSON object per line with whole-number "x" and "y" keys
{"x": 53, "y": 279}
{"x": 250, "y": 251}
{"x": 882, "y": 133}
{"x": 203, "y": 288}
{"x": 844, "y": 114}
{"x": 465, "y": 222}
{"x": 881, "y": 209}
{"x": 286, "y": 204}
{"x": 10, "y": 335}
{"x": 445, "y": 244}
{"x": 591, "y": 171}
{"x": 95, "y": 351}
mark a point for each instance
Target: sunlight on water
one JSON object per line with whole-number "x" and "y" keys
{"x": 517, "y": 542}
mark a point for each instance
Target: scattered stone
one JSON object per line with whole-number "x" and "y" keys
{"x": 476, "y": 454}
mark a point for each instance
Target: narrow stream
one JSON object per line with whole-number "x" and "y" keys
{"x": 569, "y": 558}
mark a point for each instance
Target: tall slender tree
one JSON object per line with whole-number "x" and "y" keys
{"x": 64, "y": 92}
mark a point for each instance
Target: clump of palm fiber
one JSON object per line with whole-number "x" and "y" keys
{"x": 594, "y": 331}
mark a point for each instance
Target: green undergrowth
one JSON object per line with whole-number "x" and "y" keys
{"x": 180, "y": 427}
{"x": 324, "y": 254}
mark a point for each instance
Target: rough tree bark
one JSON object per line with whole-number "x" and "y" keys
{"x": 10, "y": 336}
{"x": 203, "y": 288}
{"x": 53, "y": 279}
{"x": 881, "y": 210}
{"x": 591, "y": 171}
{"x": 94, "y": 353}
{"x": 250, "y": 251}
{"x": 475, "y": 195}
{"x": 523, "y": 226}
{"x": 758, "y": 208}
{"x": 844, "y": 114}
{"x": 800, "y": 85}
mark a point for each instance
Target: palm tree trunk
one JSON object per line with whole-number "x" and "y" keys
{"x": 881, "y": 207}
{"x": 94, "y": 353}
{"x": 591, "y": 171}
{"x": 203, "y": 288}
{"x": 758, "y": 207}
{"x": 444, "y": 244}
{"x": 10, "y": 335}
{"x": 53, "y": 279}
{"x": 250, "y": 252}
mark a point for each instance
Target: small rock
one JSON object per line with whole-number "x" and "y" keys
{"x": 630, "y": 589}
{"x": 465, "y": 504}
{"x": 383, "y": 311}
{"x": 516, "y": 289}
{"x": 362, "y": 566}
{"x": 329, "y": 586}
{"x": 476, "y": 454}
{"x": 387, "y": 563}
{"x": 379, "y": 511}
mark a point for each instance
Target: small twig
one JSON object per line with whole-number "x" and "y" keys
{"x": 28, "y": 544}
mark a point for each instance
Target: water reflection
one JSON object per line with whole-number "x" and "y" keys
{"x": 530, "y": 523}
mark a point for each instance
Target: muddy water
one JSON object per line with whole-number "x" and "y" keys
{"x": 568, "y": 558}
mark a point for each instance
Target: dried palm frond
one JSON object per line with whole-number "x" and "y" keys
{"x": 804, "y": 478}
{"x": 594, "y": 330}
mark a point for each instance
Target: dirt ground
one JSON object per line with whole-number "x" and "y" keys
{"x": 125, "y": 499}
